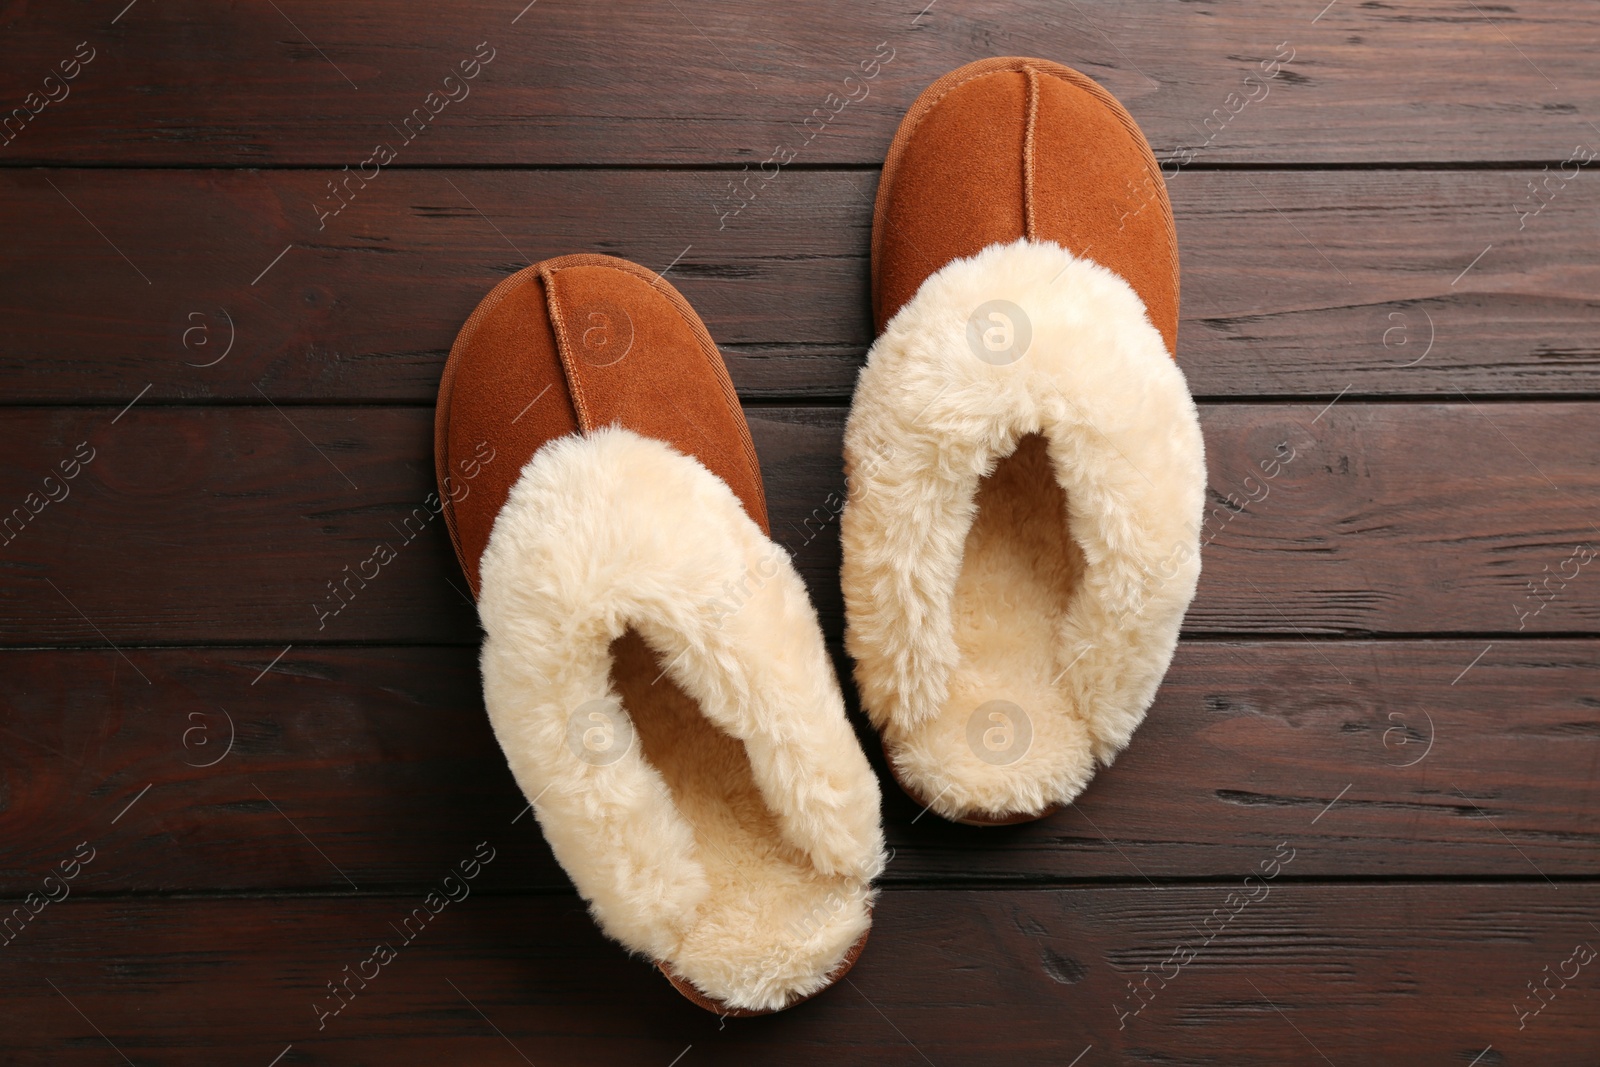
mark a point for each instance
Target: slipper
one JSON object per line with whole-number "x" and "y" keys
{"x": 1025, "y": 467}
{"x": 652, "y": 666}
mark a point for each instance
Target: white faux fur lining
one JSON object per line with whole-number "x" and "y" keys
{"x": 744, "y": 860}
{"x": 1009, "y": 632}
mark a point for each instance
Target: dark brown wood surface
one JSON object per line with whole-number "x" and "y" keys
{"x": 1391, "y": 671}
{"x": 571, "y": 82}
{"x": 1360, "y": 283}
{"x": 1359, "y": 973}
{"x": 392, "y": 761}
{"x": 232, "y": 521}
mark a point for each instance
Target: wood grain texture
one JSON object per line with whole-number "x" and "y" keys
{"x": 1345, "y": 280}
{"x": 616, "y": 82}
{"x": 1386, "y": 706}
{"x": 1355, "y": 973}
{"x": 238, "y": 523}
{"x": 1366, "y": 753}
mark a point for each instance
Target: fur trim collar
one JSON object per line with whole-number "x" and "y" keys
{"x": 748, "y": 875}
{"x": 1021, "y": 339}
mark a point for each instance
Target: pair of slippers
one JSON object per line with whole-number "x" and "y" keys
{"x": 1020, "y": 540}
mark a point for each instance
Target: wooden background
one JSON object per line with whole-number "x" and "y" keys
{"x": 1366, "y": 681}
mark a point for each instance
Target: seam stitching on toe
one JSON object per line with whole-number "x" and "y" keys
{"x": 564, "y": 350}
{"x": 1028, "y": 227}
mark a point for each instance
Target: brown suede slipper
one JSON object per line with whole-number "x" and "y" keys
{"x": 1026, "y": 473}
{"x": 653, "y": 668}
{"x": 1011, "y": 147}
{"x": 545, "y": 355}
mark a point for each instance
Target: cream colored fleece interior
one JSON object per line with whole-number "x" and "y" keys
{"x": 1021, "y": 537}
{"x": 1019, "y": 569}
{"x": 735, "y": 838}
{"x": 764, "y": 892}
{"x": 1018, "y": 573}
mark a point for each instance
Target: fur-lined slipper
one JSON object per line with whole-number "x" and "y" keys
{"x": 1026, "y": 471}
{"x": 653, "y": 668}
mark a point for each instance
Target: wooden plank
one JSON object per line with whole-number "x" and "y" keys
{"x": 614, "y": 82}
{"x": 238, "y": 522}
{"x": 372, "y": 765}
{"x": 1356, "y": 973}
{"x": 368, "y": 306}
{"x": 1361, "y": 283}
